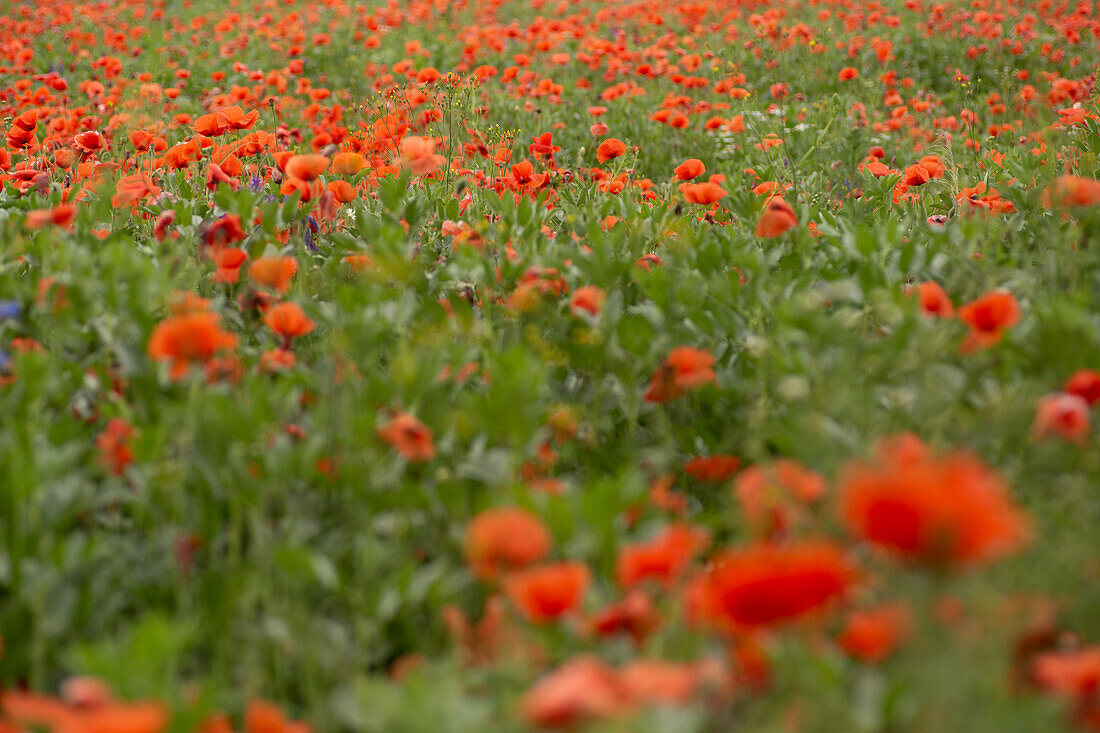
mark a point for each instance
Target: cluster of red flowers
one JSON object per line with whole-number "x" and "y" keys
{"x": 87, "y": 705}
{"x": 988, "y": 316}
{"x": 945, "y": 512}
{"x": 174, "y": 154}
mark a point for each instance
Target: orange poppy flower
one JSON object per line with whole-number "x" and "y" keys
{"x": 277, "y": 360}
{"x": 947, "y": 511}
{"x": 306, "y": 167}
{"x": 773, "y": 497}
{"x": 872, "y": 635}
{"x": 418, "y": 155}
{"x": 635, "y": 615}
{"x": 1071, "y": 191}
{"x": 767, "y": 584}
{"x": 663, "y": 559}
{"x": 214, "y": 124}
{"x": 933, "y": 300}
{"x": 261, "y": 716}
{"x": 358, "y": 261}
{"x": 89, "y": 142}
{"x": 348, "y": 164}
{"x": 705, "y": 193}
{"x": 609, "y": 149}
{"x": 989, "y": 317}
{"x": 275, "y": 272}
{"x": 546, "y": 592}
{"x": 504, "y": 539}
{"x": 64, "y": 158}
{"x": 690, "y": 169}
{"x": 588, "y": 299}
{"x": 685, "y": 368}
{"x": 238, "y": 119}
{"x": 188, "y": 339}
{"x": 583, "y": 690}
{"x": 164, "y": 220}
{"x": 1084, "y": 383}
{"x": 778, "y": 217}
{"x": 183, "y": 303}
{"x": 61, "y": 216}
{"x": 1062, "y": 415}
{"x": 220, "y": 232}
{"x": 342, "y": 190}
{"x": 659, "y": 682}
{"x": 133, "y": 189}
{"x": 229, "y": 261}
{"x": 716, "y": 468}
{"x": 22, "y": 135}
{"x": 113, "y": 443}
{"x": 1072, "y": 673}
{"x": 35, "y": 710}
{"x": 410, "y": 437}
{"x": 288, "y": 320}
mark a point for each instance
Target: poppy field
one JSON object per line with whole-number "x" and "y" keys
{"x": 512, "y": 365}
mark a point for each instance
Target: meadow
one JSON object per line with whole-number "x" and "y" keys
{"x": 462, "y": 365}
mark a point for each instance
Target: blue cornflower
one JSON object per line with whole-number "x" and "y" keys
{"x": 9, "y": 309}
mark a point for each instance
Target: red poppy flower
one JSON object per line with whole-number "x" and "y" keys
{"x": 1062, "y": 415}
{"x": 777, "y": 218}
{"x": 34, "y": 711}
{"x": 609, "y": 149}
{"x": 767, "y": 584}
{"x": 583, "y": 690}
{"x": 274, "y": 272}
{"x": 1072, "y": 191}
{"x": 872, "y": 635}
{"x": 238, "y": 119}
{"x": 660, "y": 682}
{"x": 663, "y": 559}
{"x": 547, "y": 592}
{"x": 61, "y": 216}
{"x": 947, "y": 511}
{"x": 934, "y": 301}
{"x": 113, "y": 443}
{"x": 212, "y": 125}
{"x": 164, "y": 220}
{"x": 685, "y": 368}
{"x": 503, "y": 540}
{"x": 348, "y": 164}
{"x": 306, "y": 167}
{"x": 410, "y": 437}
{"x": 189, "y": 339}
{"x": 277, "y": 360}
{"x": 229, "y": 261}
{"x": 543, "y": 146}
{"x": 288, "y": 320}
{"x": 343, "y": 191}
{"x": 133, "y": 189}
{"x": 635, "y": 615}
{"x": 773, "y": 497}
{"x": 705, "y": 193}
{"x": 989, "y": 317}
{"x": 690, "y": 169}
{"x": 716, "y": 468}
{"x": 418, "y": 155}
{"x": 22, "y": 135}
{"x": 223, "y": 231}
{"x": 1073, "y": 673}
{"x": 90, "y": 142}
{"x": 1084, "y": 383}
{"x": 588, "y": 299}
